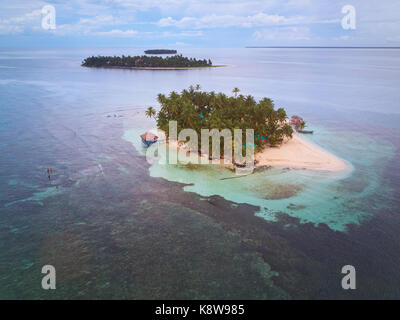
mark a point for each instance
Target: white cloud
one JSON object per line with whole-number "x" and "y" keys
{"x": 28, "y": 17}
{"x": 387, "y": 31}
{"x": 283, "y": 34}
{"x": 32, "y": 21}
{"x": 18, "y": 24}
{"x": 5, "y": 29}
{"x": 117, "y": 33}
{"x": 225, "y": 21}
{"x": 182, "y": 34}
{"x": 88, "y": 26}
{"x": 101, "y": 20}
{"x": 342, "y": 38}
{"x": 377, "y": 22}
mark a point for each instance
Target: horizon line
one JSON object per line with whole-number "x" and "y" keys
{"x": 318, "y": 47}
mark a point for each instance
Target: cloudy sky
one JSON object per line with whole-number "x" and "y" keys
{"x": 211, "y": 23}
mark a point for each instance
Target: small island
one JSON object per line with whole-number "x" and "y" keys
{"x": 146, "y": 62}
{"x": 160, "y": 51}
{"x": 276, "y": 144}
{"x": 198, "y": 110}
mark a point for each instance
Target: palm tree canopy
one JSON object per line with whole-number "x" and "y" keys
{"x": 198, "y": 110}
{"x": 150, "y": 112}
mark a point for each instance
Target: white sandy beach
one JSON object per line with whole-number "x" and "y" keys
{"x": 300, "y": 154}
{"x": 296, "y": 153}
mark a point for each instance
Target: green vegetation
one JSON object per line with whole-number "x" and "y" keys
{"x": 151, "y": 112}
{"x": 198, "y": 110}
{"x": 160, "y": 51}
{"x": 301, "y": 125}
{"x": 177, "y": 61}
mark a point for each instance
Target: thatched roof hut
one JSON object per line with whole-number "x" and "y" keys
{"x": 148, "y": 136}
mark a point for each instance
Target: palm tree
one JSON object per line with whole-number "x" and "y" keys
{"x": 161, "y": 98}
{"x": 188, "y": 115}
{"x": 150, "y": 112}
{"x": 198, "y": 110}
{"x": 235, "y": 91}
{"x": 197, "y": 87}
{"x": 301, "y": 125}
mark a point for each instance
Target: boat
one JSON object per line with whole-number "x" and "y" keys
{"x": 306, "y": 131}
{"x": 148, "y": 138}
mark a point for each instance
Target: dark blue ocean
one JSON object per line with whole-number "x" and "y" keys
{"x": 116, "y": 227}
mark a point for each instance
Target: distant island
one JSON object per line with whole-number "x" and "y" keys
{"x": 146, "y": 62}
{"x": 160, "y": 51}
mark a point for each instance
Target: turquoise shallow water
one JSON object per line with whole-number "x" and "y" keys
{"x": 116, "y": 227}
{"x": 309, "y": 195}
